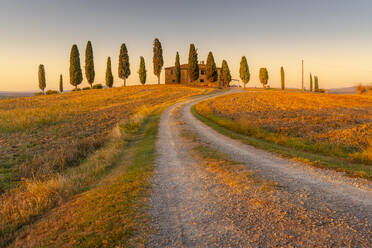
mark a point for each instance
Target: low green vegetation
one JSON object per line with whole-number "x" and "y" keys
{"x": 260, "y": 139}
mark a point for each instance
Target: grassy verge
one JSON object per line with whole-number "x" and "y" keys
{"x": 112, "y": 210}
{"x": 225, "y": 126}
{"x": 31, "y": 199}
{"x": 110, "y": 215}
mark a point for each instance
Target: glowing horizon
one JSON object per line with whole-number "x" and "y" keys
{"x": 331, "y": 36}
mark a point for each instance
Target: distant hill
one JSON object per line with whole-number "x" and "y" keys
{"x": 7, "y": 94}
{"x": 346, "y": 90}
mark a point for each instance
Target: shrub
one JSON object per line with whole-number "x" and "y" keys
{"x": 97, "y": 86}
{"x": 39, "y": 94}
{"x": 86, "y": 88}
{"x": 51, "y": 92}
{"x": 320, "y": 90}
{"x": 361, "y": 89}
{"x": 76, "y": 89}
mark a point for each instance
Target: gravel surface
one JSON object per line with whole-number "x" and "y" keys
{"x": 192, "y": 207}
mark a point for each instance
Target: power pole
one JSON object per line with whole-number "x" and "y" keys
{"x": 302, "y": 74}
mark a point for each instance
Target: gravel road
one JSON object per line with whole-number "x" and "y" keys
{"x": 192, "y": 208}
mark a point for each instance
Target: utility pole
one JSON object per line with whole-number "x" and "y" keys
{"x": 302, "y": 74}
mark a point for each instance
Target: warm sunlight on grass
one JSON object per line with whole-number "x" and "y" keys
{"x": 44, "y": 134}
{"x": 330, "y": 125}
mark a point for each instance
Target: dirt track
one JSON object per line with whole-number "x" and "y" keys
{"x": 192, "y": 208}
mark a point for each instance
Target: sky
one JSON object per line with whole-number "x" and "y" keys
{"x": 333, "y": 37}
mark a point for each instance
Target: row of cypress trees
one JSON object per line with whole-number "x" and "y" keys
{"x": 316, "y": 83}
{"x": 124, "y": 71}
{"x": 76, "y": 75}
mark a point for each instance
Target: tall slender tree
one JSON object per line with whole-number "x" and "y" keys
{"x": 264, "y": 76}
{"x": 60, "y": 83}
{"x": 142, "y": 71}
{"x": 244, "y": 74}
{"x": 177, "y": 69}
{"x": 124, "y": 67}
{"x": 42, "y": 81}
{"x": 89, "y": 64}
{"x": 225, "y": 74}
{"x": 311, "y": 82}
{"x": 211, "y": 69}
{"x": 158, "y": 58}
{"x": 316, "y": 83}
{"x": 109, "y": 77}
{"x": 193, "y": 68}
{"x": 282, "y": 77}
{"x": 76, "y": 76}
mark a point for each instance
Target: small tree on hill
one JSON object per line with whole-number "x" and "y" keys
{"x": 282, "y": 77}
{"x": 42, "y": 81}
{"x": 158, "y": 58}
{"x": 142, "y": 71}
{"x": 177, "y": 69}
{"x": 211, "y": 69}
{"x": 76, "y": 76}
{"x": 311, "y": 82}
{"x": 60, "y": 83}
{"x": 89, "y": 64}
{"x": 244, "y": 74}
{"x": 316, "y": 84}
{"x": 264, "y": 76}
{"x": 225, "y": 74}
{"x": 109, "y": 77}
{"x": 124, "y": 67}
{"x": 193, "y": 69}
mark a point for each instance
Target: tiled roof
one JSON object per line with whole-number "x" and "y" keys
{"x": 185, "y": 66}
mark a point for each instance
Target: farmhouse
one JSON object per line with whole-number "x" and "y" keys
{"x": 170, "y": 77}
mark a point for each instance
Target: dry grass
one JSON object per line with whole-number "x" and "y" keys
{"x": 36, "y": 195}
{"x": 113, "y": 214}
{"x": 33, "y": 197}
{"x": 329, "y": 125}
{"x": 42, "y": 135}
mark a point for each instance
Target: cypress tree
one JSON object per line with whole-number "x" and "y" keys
{"x": 42, "y": 81}
{"x": 177, "y": 69}
{"x": 142, "y": 71}
{"x": 245, "y": 76}
{"x": 193, "y": 69}
{"x": 311, "y": 83}
{"x": 109, "y": 77}
{"x": 89, "y": 64}
{"x": 316, "y": 84}
{"x": 76, "y": 76}
{"x": 60, "y": 83}
{"x": 225, "y": 74}
{"x": 211, "y": 69}
{"x": 158, "y": 58}
{"x": 124, "y": 67}
{"x": 264, "y": 76}
{"x": 282, "y": 77}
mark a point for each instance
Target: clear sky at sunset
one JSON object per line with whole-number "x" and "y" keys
{"x": 334, "y": 37}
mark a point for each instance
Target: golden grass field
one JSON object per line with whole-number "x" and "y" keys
{"x": 44, "y": 134}
{"x": 54, "y": 147}
{"x": 335, "y": 125}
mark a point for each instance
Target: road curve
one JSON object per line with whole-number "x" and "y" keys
{"x": 188, "y": 213}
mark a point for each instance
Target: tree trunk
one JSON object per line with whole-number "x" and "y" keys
{"x": 159, "y": 79}
{"x": 125, "y": 82}
{"x": 244, "y": 85}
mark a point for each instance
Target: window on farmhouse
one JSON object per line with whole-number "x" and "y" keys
{"x": 201, "y": 80}
{"x": 172, "y": 72}
{"x": 202, "y": 72}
